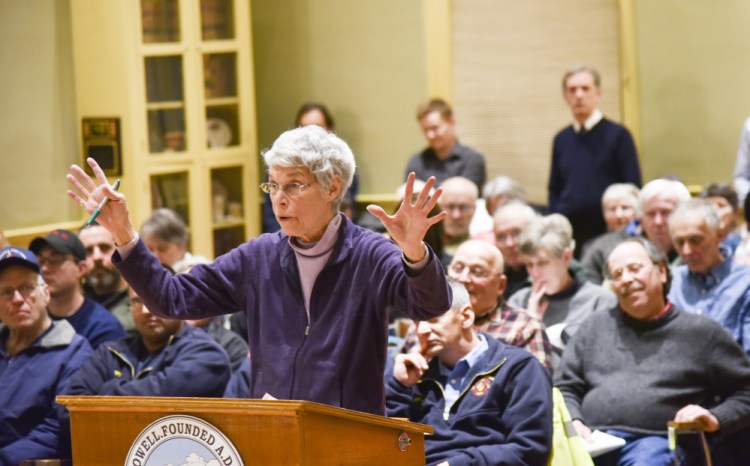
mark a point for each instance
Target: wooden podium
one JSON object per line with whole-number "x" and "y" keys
{"x": 263, "y": 432}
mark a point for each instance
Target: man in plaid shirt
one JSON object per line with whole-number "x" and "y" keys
{"x": 478, "y": 265}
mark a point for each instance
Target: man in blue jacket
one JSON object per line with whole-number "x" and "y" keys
{"x": 165, "y": 358}
{"x": 37, "y": 357}
{"x": 489, "y": 403}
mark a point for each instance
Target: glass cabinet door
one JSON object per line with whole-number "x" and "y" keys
{"x": 165, "y": 103}
{"x": 217, "y": 19}
{"x": 160, "y": 20}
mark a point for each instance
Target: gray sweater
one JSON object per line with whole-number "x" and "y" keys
{"x": 631, "y": 375}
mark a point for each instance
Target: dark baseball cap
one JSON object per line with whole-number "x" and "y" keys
{"x": 62, "y": 241}
{"x": 18, "y": 256}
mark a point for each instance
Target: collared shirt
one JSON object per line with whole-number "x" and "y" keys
{"x": 457, "y": 378}
{"x": 723, "y": 295}
{"x": 508, "y": 324}
{"x": 462, "y": 161}
{"x": 590, "y": 122}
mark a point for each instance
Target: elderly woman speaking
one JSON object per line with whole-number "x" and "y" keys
{"x": 316, "y": 293}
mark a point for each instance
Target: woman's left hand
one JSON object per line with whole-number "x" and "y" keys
{"x": 410, "y": 223}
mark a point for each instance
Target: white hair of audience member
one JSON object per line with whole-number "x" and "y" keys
{"x": 461, "y": 297}
{"x": 321, "y": 152}
{"x": 418, "y": 186}
{"x": 523, "y": 207}
{"x": 501, "y": 187}
{"x": 662, "y": 187}
{"x": 619, "y": 191}
{"x": 698, "y": 209}
{"x": 552, "y": 233}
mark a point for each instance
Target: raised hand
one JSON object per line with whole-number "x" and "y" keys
{"x": 88, "y": 194}
{"x": 410, "y": 223}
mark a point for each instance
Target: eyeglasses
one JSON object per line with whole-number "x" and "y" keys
{"x": 461, "y": 208}
{"x": 290, "y": 189}
{"x": 26, "y": 290}
{"x": 475, "y": 271}
{"x": 506, "y": 235}
{"x": 55, "y": 260}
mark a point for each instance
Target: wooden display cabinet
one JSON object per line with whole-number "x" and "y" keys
{"x": 178, "y": 74}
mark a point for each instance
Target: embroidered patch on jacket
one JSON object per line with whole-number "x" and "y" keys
{"x": 482, "y": 386}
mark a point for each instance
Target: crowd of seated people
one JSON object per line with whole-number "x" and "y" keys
{"x": 663, "y": 279}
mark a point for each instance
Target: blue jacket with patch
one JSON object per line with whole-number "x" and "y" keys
{"x": 29, "y": 382}
{"x": 192, "y": 364}
{"x": 502, "y": 418}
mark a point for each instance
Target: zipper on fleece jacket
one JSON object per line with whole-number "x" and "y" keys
{"x": 446, "y": 414}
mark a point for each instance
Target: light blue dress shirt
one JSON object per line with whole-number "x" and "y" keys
{"x": 458, "y": 377}
{"x": 723, "y": 295}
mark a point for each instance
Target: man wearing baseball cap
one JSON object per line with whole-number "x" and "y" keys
{"x": 37, "y": 356}
{"x": 62, "y": 260}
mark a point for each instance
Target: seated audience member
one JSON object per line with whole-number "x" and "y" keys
{"x": 724, "y": 198}
{"x": 620, "y": 208}
{"x": 620, "y": 205}
{"x": 239, "y": 383}
{"x": 742, "y": 253}
{"x": 313, "y": 113}
{"x": 444, "y": 157}
{"x": 478, "y": 266}
{"x": 165, "y": 358}
{"x": 656, "y": 201}
{"x": 37, "y": 357}
{"x": 510, "y": 220}
{"x": 62, "y": 259}
{"x": 490, "y": 403}
{"x": 458, "y": 200}
{"x": 495, "y": 193}
{"x": 103, "y": 282}
{"x": 709, "y": 283}
{"x": 629, "y": 370}
{"x": 556, "y": 297}
{"x": 166, "y": 235}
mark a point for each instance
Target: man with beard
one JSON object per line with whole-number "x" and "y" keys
{"x": 62, "y": 259}
{"x": 103, "y": 283}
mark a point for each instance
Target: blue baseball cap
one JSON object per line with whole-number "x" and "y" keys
{"x": 18, "y": 256}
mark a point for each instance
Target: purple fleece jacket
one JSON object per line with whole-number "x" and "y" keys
{"x": 338, "y": 357}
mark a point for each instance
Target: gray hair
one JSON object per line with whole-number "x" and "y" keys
{"x": 655, "y": 254}
{"x": 323, "y": 153}
{"x": 526, "y": 210}
{"x": 627, "y": 191}
{"x": 583, "y": 69}
{"x": 460, "y": 295}
{"x": 504, "y": 186}
{"x": 696, "y": 208}
{"x": 662, "y": 187}
{"x": 552, "y": 233}
{"x": 165, "y": 225}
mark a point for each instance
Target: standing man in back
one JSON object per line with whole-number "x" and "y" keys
{"x": 588, "y": 156}
{"x": 444, "y": 157}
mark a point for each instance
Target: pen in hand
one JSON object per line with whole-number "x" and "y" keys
{"x": 101, "y": 205}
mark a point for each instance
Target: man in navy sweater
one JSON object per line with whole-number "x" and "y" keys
{"x": 490, "y": 403}
{"x": 588, "y": 156}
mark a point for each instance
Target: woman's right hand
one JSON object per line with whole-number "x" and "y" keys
{"x": 114, "y": 216}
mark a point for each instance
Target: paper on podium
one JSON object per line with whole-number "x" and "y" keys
{"x": 603, "y": 443}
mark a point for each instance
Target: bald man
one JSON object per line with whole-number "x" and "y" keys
{"x": 479, "y": 266}
{"x": 459, "y": 201}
